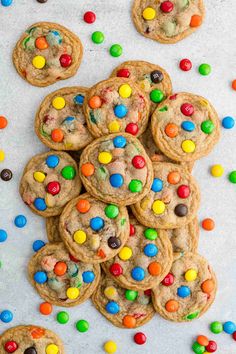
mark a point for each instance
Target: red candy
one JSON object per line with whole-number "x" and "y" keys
{"x": 65, "y": 60}
{"x": 138, "y": 162}
{"x": 234, "y": 335}
{"x": 11, "y": 346}
{"x": 131, "y": 230}
{"x": 167, "y": 6}
{"x": 187, "y": 109}
{"x": 89, "y": 17}
{"x": 53, "y": 188}
{"x": 73, "y": 259}
{"x": 116, "y": 269}
{"x": 183, "y": 191}
{"x": 131, "y": 128}
{"x": 211, "y": 347}
{"x": 140, "y": 338}
{"x": 123, "y": 73}
{"x": 148, "y": 292}
{"x": 168, "y": 280}
{"x": 185, "y": 64}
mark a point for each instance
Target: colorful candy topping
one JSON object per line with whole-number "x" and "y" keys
{"x": 208, "y": 224}
{"x": 203, "y": 345}
{"x": 89, "y": 17}
{"x": 185, "y": 64}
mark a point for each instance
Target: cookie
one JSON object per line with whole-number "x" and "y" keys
{"x": 30, "y": 339}
{"x": 145, "y": 259}
{"x": 185, "y": 127}
{"x": 173, "y": 200}
{"x": 123, "y": 307}
{"x": 60, "y": 122}
{"x": 167, "y": 21}
{"x": 116, "y": 169}
{"x": 52, "y": 228}
{"x": 61, "y": 279}
{"x": 49, "y": 181}
{"x": 46, "y": 53}
{"x": 151, "y": 78}
{"x": 93, "y": 231}
{"x": 187, "y": 291}
{"x": 116, "y": 105}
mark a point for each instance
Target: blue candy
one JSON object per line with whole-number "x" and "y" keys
{"x": 120, "y": 111}
{"x": 69, "y": 120}
{"x": 6, "y": 2}
{"x": 96, "y": 223}
{"x": 150, "y": 250}
{"x": 54, "y": 38}
{"x": 229, "y": 327}
{"x": 228, "y": 122}
{"x": 188, "y": 126}
{"x": 88, "y": 276}
{"x": 20, "y": 221}
{"x": 157, "y": 185}
{"x": 116, "y": 180}
{"x": 40, "y": 204}
{"x": 37, "y": 245}
{"x": 183, "y": 291}
{"x": 6, "y": 316}
{"x": 40, "y": 277}
{"x": 79, "y": 99}
{"x": 112, "y": 307}
{"x": 138, "y": 273}
{"x": 3, "y": 235}
{"x": 119, "y": 141}
{"x": 52, "y": 161}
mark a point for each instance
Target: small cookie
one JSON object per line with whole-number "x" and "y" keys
{"x": 93, "y": 231}
{"x": 185, "y": 127}
{"x": 145, "y": 259}
{"x": 61, "y": 279}
{"x": 116, "y": 105}
{"x": 187, "y": 291}
{"x": 30, "y": 339}
{"x": 116, "y": 169}
{"x": 60, "y": 122}
{"x": 167, "y": 21}
{"x": 124, "y": 308}
{"x": 151, "y": 78}
{"x": 52, "y": 228}
{"x": 173, "y": 200}
{"x": 46, "y": 53}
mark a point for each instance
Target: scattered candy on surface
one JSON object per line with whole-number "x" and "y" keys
{"x": 89, "y": 17}
{"x": 217, "y": 170}
{"x": 6, "y": 2}
{"x": 82, "y": 326}
{"x": 6, "y": 316}
{"x": 229, "y": 327}
{"x": 110, "y": 347}
{"x": 63, "y": 317}
{"x": 97, "y": 37}
{"x": 3, "y": 122}
{"x": 45, "y": 308}
{"x": 204, "y": 69}
{"x": 3, "y": 235}
{"x": 216, "y": 327}
{"x": 228, "y": 122}
{"x": 232, "y": 177}
{"x": 140, "y": 338}
{"x": 233, "y": 85}
{"x": 116, "y": 50}
{"x": 20, "y": 221}
{"x": 208, "y": 224}
{"x": 185, "y": 64}
{"x": 37, "y": 245}
{"x": 2, "y": 155}
{"x": 6, "y": 175}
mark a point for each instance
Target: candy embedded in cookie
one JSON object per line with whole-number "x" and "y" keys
{"x": 60, "y": 122}
{"x": 125, "y": 308}
{"x": 52, "y": 229}
{"x": 145, "y": 259}
{"x": 61, "y": 279}
{"x": 116, "y": 169}
{"x": 185, "y": 127}
{"x": 173, "y": 200}
{"x": 93, "y": 231}
{"x": 46, "y": 53}
{"x": 187, "y": 291}
{"x": 30, "y": 339}
{"x": 116, "y": 105}
{"x": 167, "y": 21}
{"x": 49, "y": 181}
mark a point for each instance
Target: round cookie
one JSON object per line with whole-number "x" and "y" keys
{"x": 123, "y": 307}
{"x": 151, "y": 78}
{"x": 93, "y": 231}
{"x": 145, "y": 259}
{"x": 116, "y": 105}
{"x": 46, "y": 53}
{"x": 173, "y": 200}
{"x": 30, "y": 339}
{"x": 61, "y": 279}
{"x": 185, "y": 127}
{"x": 187, "y": 291}
{"x": 167, "y": 21}
{"x": 52, "y": 228}
{"x": 116, "y": 169}
{"x": 60, "y": 122}
{"x": 49, "y": 181}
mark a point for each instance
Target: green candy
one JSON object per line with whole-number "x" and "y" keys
{"x": 204, "y": 69}
{"x": 82, "y": 326}
{"x": 156, "y": 96}
{"x": 163, "y": 109}
{"x": 135, "y": 186}
{"x": 216, "y": 327}
{"x": 150, "y": 234}
{"x": 207, "y": 126}
{"x": 116, "y": 50}
{"x": 232, "y": 177}
{"x": 92, "y": 117}
{"x": 68, "y": 172}
{"x": 98, "y": 37}
{"x": 63, "y": 317}
{"x": 193, "y": 315}
{"x": 29, "y": 43}
{"x": 197, "y": 348}
{"x": 131, "y": 295}
{"x": 111, "y": 211}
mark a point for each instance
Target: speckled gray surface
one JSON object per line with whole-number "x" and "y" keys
{"x": 213, "y": 43}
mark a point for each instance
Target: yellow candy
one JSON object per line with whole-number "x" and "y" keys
{"x": 2, "y": 155}
{"x": 114, "y": 126}
{"x": 110, "y": 347}
{"x": 190, "y": 275}
{"x": 204, "y": 103}
{"x": 39, "y": 176}
{"x": 188, "y": 146}
{"x": 144, "y": 204}
{"x": 125, "y": 253}
{"x": 149, "y": 13}
{"x": 145, "y": 85}
{"x": 217, "y": 170}
{"x": 110, "y": 292}
{"x": 125, "y": 91}
{"x": 39, "y": 62}
{"x": 72, "y": 293}
{"x": 80, "y": 237}
{"x": 104, "y": 157}
{"x": 58, "y": 102}
{"x": 52, "y": 349}
{"x": 50, "y": 200}
{"x": 158, "y": 207}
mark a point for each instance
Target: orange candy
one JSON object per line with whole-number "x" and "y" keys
{"x": 57, "y": 135}
{"x": 173, "y": 177}
{"x": 37, "y": 332}
{"x": 60, "y": 268}
{"x": 101, "y": 254}
{"x": 154, "y": 268}
{"x": 45, "y": 308}
{"x": 41, "y": 43}
{"x": 203, "y": 340}
{"x": 95, "y": 102}
{"x": 208, "y": 286}
{"x": 234, "y": 85}
{"x": 171, "y": 130}
{"x": 87, "y": 169}
{"x": 172, "y": 306}
{"x": 83, "y": 206}
{"x": 208, "y": 224}
{"x": 129, "y": 321}
{"x": 3, "y": 122}
{"x": 196, "y": 21}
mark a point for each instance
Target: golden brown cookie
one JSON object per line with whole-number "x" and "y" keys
{"x": 61, "y": 279}
{"x": 167, "y": 21}
{"x": 187, "y": 291}
{"x": 52, "y": 228}
{"x": 46, "y": 53}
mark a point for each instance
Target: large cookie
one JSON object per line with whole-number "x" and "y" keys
{"x": 123, "y": 307}
{"x": 52, "y": 229}
{"x": 116, "y": 105}
{"x": 93, "y": 231}
{"x": 145, "y": 259}
{"x": 185, "y": 127}
{"x": 116, "y": 169}
{"x": 187, "y": 291}
{"x": 30, "y": 339}
{"x": 49, "y": 181}
{"x": 60, "y": 122}
{"x": 151, "y": 78}
{"x": 173, "y": 200}
{"x": 61, "y": 279}
{"x": 46, "y": 53}
{"x": 167, "y": 21}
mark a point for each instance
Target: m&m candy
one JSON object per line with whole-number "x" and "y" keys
{"x": 150, "y": 250}
{"x": 140, "y": 338}
{"x": 116, "y": 269}
{"x": 168, "y": 280}
{"x": 40, "y": 277}
{"x": 158, "y": 207}
{"x": 72, "y": 293}
{"x": 208, "y": 224}
{"x": 3, "y": 122}
{"x": 63, "y": 317}
{"x": 150, "y": 234}
{"x": 37, "y": 245}
{"x": 229, "y": 327}
{"x": 45, "y": 308}
{"x": 216, "y": 327}
{"x": 190, "y": 275}
{"x": 112, "y": 307}
{"x": 96, "y": 223}
{"x": 204, "y": 69}
{"x": 149, "y": 13}
{"x": 82, "y": 326}
{"x": 138, "y": 273}
{"x": 207, "y": 126}
{"x": 80, "y": 236}
{"x": 3, "y": 235}
{"x": 131, "y": 295}
{"x": 6, "y": 174}
{"x": 198, "y": 348}
{"x": 232, "y": 177}
{"x": 116, "y": 50}
{"x": 183, "y": 291}
{"x": 188, "y": 126}
{"x": 217, "y": 170}
{"x": 88, "y": 276}
{"x": 39, "y": 62}
{"x": 156, "y": 96}
{"x": 68, "y": 172}
{"x": 40, "y": 204}
{"x": 228, "y": 122}
{"x": 132, "y": 128}
{"x": 89, "y": 17}
{"x": 110, "y": 347}
{"x": 98, "y": 37}
{"x": 157, "y": 185}
{"x": 20, "y": 221}
{"x": 52, "y": 349}
{"x": 138, "y": 162}
{"x": 167, "y": 6}
{"x": 119, "y": 141}
{"x": 104, "y": 157}
{"x": 111, "y": 211}
{"x": 11, "y": 346}
{"x": 125, "y": 91}
{"x": 52, "y": 161}
{"x": 185, "y": 64}
{"x": 211, "y": 347}
{"x": 6, "y": 316}
{"x": 125, "y": 253}
{"x": 135, "y": 186}
{"x": 120, "y": 111}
